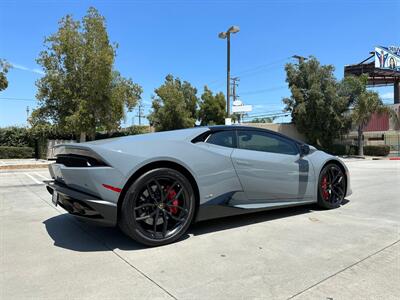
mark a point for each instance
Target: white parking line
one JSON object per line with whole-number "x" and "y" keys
{"x": 40, "y": 175}
{"x": 12, "y": 173}
{"x": 33, "y": 178}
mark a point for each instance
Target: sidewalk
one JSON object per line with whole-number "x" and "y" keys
{"x": 347, "y": 158}
{"x": 31, "y": 163}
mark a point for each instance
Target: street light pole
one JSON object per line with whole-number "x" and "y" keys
{"x": 228, "y": 75}
{"x": 227, "y": 35}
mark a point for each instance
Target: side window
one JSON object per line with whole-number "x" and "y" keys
{"x": 263, "y": 141}
{"x": 222, "y": 138}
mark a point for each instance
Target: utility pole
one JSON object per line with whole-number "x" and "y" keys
{"x": 235, "y": 84}
{"x": 27, "y": 114}
{"x": 300, "y": 58}
{"x": 140, "y": 112}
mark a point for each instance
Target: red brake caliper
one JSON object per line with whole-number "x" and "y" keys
{"x": 324, "y": 186}
{"x": 173, "y": 209}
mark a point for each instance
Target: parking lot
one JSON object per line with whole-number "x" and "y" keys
{"x": 299, "y": 253}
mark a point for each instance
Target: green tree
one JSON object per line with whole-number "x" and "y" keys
{"x": 263, "y": 120}
{"x": 317, "y": 109}
{"x": 4, "y": 67}
{"x": 364, "y": 104}
{"x": 81, "y": 91}
{"x": 174, "y": 105}
{"x": 191, "y": 100}
{"x": 212, "y": 108}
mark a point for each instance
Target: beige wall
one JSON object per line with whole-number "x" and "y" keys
{"x": 370, "y": 137}
{"x": 284, "y": 128}
{"x": 393, "y": 125}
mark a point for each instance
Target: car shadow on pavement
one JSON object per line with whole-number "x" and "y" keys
{"x": 69, "y": 233}
{"x": 220, "y": 224}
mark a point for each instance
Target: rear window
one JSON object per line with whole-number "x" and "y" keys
{"x": 222, "y": 138}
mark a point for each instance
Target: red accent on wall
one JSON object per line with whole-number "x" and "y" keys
{"x": 378, "y": 123}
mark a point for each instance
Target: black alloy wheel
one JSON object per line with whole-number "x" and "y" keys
{"x": 331, "y": 187}
{"x": 158, "y": 208}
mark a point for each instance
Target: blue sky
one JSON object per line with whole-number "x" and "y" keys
{"x": 180, "y": 37}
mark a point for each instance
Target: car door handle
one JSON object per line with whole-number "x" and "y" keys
{"x": 242, "y": 162}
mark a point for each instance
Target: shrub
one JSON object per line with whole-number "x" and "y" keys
{"x": 51, "y": 132}
{"x": 377, "y": 150}
{"x": 132, "y": 130}
{"x": 14, "y": 136}
{"x": 353, "y": 150}
{"x": 16, "y": 152}
{"x": 373, "y": 150}
{"x": 340, "y": 149}
{"x": 337, "y": 149}
{"x": 21, "y": 136}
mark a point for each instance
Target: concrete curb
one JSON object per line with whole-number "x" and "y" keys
{"x": 369, "y": 157}
{"x": 27, "y": 166}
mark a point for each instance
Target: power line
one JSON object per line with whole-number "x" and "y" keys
{"x": 260, "y": 67}
{"x": 268, "y": 113}
{"x": 17, "y": 99}
{"x": 256, "y": 69}
{"x": 268, "y": 116}
{"x": 264, "y": 90}
{"x": 218, "y": 83}
{"x": 247, "y": 75}
{"x": 262, "y": 70}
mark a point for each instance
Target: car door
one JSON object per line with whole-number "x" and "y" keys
{"x": 216, "y": 175}
{"x": 270, "y": 167}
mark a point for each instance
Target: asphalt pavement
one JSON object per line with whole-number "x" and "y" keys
{"x": 298, "y": 253}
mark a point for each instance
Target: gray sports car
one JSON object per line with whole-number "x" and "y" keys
{"x": 153, "y": 186}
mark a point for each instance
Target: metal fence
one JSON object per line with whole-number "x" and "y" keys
{"x": 52, "y": 143}
{"x": 393, "y": 140}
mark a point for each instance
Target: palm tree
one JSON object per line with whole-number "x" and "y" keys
{"x": 364, "y": 106}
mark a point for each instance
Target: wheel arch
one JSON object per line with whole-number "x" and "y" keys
{"x": 160, "y": 164}
{"x": 340, "y": 165}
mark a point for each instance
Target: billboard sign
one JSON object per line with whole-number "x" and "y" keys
{"x": 387, "y": 58}
{"x": 242, "y": 108}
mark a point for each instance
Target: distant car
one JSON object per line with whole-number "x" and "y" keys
{"x": 153, "y": 186}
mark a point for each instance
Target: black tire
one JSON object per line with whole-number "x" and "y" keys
{"x": 331, "y": 187}
{"x": 147, "y": 205}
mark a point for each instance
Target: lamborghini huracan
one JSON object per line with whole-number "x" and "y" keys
{"x": 153, "y": 186}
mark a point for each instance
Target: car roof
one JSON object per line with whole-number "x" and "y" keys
{"x": 234, "y": 127}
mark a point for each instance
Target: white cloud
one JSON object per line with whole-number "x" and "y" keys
{"x": 23, "y": 68}
{"x": 38, "y": 71}
{"x": 267, "y": 107}
{"x": 259, "y": 106}
{"x": 387, "y": 96}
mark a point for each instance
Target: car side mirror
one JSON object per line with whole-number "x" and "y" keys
{"x": 304, "y": 150}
